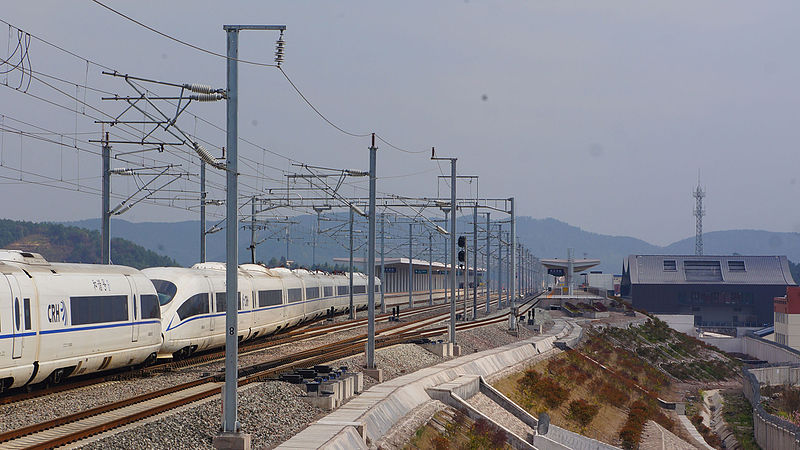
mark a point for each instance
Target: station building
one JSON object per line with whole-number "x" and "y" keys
{"x": 395, "y": 274}
{"x": 787, "y": 318}
{"x": 729, "y": 291}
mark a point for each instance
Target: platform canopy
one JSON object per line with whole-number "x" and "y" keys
{"x": 578, "y": 265}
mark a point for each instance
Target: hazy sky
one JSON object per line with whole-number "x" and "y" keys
{"x": 599, "y": 114}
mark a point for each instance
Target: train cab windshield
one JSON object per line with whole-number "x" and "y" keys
{"x": 166, "y": 291}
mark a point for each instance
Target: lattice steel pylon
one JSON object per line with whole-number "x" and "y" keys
{"x": 699, "y": 212}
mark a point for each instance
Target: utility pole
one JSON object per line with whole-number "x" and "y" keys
{"x": 446, "y": 269}
{"x": 499, "y": 266}
{"x": 253, "y": 231}
{"x": 513, "y": 244}
{"x": 203, "y": 194}
{"x": 288, "y": 265}
{"x": 475, "y": 262}
{"x": 488, "y": 260}
{"x": 105, "y": 249}
{"x": 453, "y": 207}
{"x": 371, "y": 259}
{"x": 231, "y": 429}
{"x": 352, "y": 311}
{"x": 430, "y": 269}
{"x": 509, "y": 273}
{"x": 410, "y": 267}
{"x": 383, "y": 269}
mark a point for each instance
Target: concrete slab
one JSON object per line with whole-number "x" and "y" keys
{"x": 231, "y": 441}
{"x": 324, "y": 402}
{"x": 376, "y": 374}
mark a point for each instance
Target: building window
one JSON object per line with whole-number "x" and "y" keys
{"x": 736, "y": 266}
{"x": 670, "y": 265}
{"x": 702, "y": 270}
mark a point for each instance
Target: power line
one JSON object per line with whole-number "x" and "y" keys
{"x": 182, "y": 42}
{"x": 283, "y": 72}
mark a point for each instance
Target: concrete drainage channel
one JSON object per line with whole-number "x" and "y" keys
{"x": 367, "y": 418}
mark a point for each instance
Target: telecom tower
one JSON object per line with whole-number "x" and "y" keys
{"x": 699, "y": 212}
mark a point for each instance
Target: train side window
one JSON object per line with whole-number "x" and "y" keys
{"x": 221, "y": 303}
{"x": 193, "y": 306}
{"x": 342, "y": 290}
{"x": 359, "y": 289}
{"x": 269, "y": 298}
{"x": 16, "y": 313}
{"x": 150, "y": 308}
{"x": 166, "y": 291}
{"x": 312, "y": 293}
{"x": 26, "y": 305}
{"x": 328, "y": 291}
{"x": 242, "y": 305}
{"x": 97, "y": 309}
{"x": 295, "y": 295}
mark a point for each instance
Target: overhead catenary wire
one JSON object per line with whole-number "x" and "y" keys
{"x": 183, "y": 155}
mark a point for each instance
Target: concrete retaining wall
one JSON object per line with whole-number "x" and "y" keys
{"x": 380, "y": 407}
{"x": 771, "y": 432}
{"x": 730, "y": 345}
{"x": 769, "y": 351}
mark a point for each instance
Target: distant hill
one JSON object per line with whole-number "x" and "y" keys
{"x": 547, "y": 238}
{"x": 61, "y": 243}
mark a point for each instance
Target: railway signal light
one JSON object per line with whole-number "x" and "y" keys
{"x": 462, "y": 241}
{"x": 461, "y": 256}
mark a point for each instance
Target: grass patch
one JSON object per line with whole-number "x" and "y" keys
{"x": 738, "y": 414}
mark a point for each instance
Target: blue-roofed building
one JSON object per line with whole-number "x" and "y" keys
{"x": 717, "y": 290}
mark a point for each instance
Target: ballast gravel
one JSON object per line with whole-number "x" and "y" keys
{"x": 35, "y": 410}
{"x": 271, "y": 412}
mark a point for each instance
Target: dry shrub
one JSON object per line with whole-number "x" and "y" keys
{"x": 440, "y": 443}
{"x": 582, "y": 411}
{"x": 544, "y": 388}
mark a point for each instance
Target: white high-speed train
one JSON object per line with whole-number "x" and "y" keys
{"x": 58, "y": 320}
{"x": 62, "y": 319}
{"x": 193, "y": 302}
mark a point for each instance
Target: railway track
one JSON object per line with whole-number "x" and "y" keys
{"x": 308, "y": 331}
{"x": 81, "y": 425}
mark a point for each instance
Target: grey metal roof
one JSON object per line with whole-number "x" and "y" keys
{"x": 764, "y": 270}
{"x": 578, "y": 265}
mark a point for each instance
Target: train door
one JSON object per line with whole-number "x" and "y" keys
{"x": 136, "y": 310}
{"x": 17, "y": 312}
{"x": 210, "y": 290}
